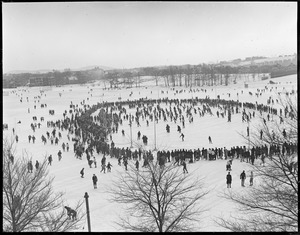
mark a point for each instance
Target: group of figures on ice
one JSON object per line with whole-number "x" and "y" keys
{"x": 91, "y": 128}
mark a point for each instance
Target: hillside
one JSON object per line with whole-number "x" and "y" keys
{"x": 40, "y": 71}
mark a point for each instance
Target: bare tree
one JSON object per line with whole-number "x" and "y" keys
{"x": 165, "y": 74}
{"x": 29, "y": 202}
{"x": 156, "y": 73}
{"x": 157, "y": 198}
{"x": 272, "y": 203}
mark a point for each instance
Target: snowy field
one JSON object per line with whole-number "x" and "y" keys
{"x": 67, "y": 178}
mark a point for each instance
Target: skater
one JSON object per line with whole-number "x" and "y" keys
{"x": 137, "y": 163}
{"x": 109, "y": 167}
{"x": 182, "y": 136}
{"x": 59, "y": 155}
{"x": 125, "y": 164}
{"x": 50, "y": 159}
{"x": 68, "y": 147}
{"x": 145, "y": 139}
{"x": 90, "y": 162}
{"x": 261, "y": 134}
{"x": 95, "y": 179}
{"x": 168, "y": 128}
{"x": 63, "y": 146}
{"x": 103, "y": 168}
{"x": 103, "y": 160}
{"x": 37, "y": 164}
{"x": 95, "y": 162}
{"x": 29, "y": 138}
{"x": 228, "y": 165}
{"x": 209, "y": 140}
{"x": 82, "y": 172}
{"x": 184, "y": 167}
{"x": 33, "y": 138}
{"x": 17, "y": 138}
{"x": 228, "y": 180}
{"x": 251, "y": 178}
{"x": 247, "y": 131}
{"x": 243, "y": 177}
{"x": 139, "y": 135}
{"x": 30, "y": 167}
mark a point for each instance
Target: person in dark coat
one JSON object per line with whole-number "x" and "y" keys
{"x": 209, "y": 140}
{"x": 103, "y": 160}
{"x": 251, "y": 178}
{"x": 95, "y": 162}
{"x": 50, "y": 159}
{"x": 82, "y": 172}
{"x": 30, "y": 167}
{"x": 95, "y": 179}
{"x": 90, "y": 162}
{"x": 184, "y": 167}
{"x": 228, "y": 180}
{"x": 103, "y": 167}
{"x": 59, "y": 155}
{"x": 108, "y": 167}
{"x": 137, "y": 163}
{"x": 37, "y": 164}
{"x": 168, "y": 128}
{"x": 243, "y": 177}
{"x": 228, "y": 165}
{"x": 125, "y": 164}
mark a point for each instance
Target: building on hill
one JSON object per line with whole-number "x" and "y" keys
{"x": 72, "y": 80}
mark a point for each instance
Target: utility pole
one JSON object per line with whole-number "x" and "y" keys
{"x": 86, "y": 196}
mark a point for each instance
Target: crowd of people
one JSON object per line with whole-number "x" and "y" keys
{"x": 91, "y": 128}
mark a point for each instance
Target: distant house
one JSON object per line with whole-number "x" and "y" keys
{"x": 72, "y": 79}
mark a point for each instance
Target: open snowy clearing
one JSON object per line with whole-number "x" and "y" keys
{"x": 103, "y": 212}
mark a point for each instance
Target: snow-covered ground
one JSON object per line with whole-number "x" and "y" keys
{"x": 67, "y": 178}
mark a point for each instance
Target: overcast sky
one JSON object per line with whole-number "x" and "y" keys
{"x": 135, "y": 34}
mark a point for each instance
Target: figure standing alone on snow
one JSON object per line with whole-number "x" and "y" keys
{"x": 251, "y": 178}
{"x": 184, "y": 167}
{"x": 209, "y": 140}
{"x": 228, "y": 180}
{"x": 95, "y": 179}
{"x": 82, "y": 172}
{"x": 243, "y": 177}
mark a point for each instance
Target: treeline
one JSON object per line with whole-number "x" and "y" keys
{"x": 192, "y": 75}
{"x": 183, "y": 75}
{"x": 55, "y": 78}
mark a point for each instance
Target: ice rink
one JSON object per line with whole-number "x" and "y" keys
{"x": 67, "y": 178}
